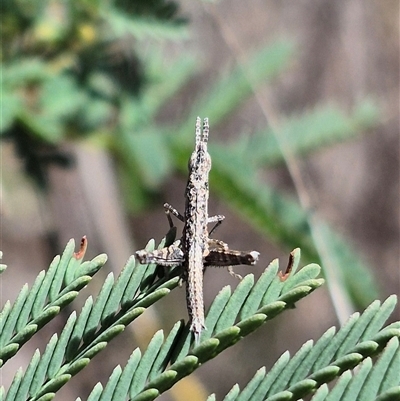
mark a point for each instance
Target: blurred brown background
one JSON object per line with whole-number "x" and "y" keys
{"x": 344, "y": 51}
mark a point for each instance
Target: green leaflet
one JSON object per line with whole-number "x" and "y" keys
{"x": 146, "y": 362}
{"x": 232, "y": 308}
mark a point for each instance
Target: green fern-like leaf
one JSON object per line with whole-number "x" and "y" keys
{"x": 51, "y": 292}
{"x": 118, "y": 303}
{"x": 232, "y": 316}
{"x": 333, "y": 356}
{"x": 377, "y": 380}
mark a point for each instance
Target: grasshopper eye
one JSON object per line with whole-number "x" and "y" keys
{"x": 192, "y": 162}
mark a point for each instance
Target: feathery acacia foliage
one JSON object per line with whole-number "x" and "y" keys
{"x": 231, "y": 317}
{"x": 167, "y": 359}
{"x": 333, "y": 356}
{"x": 52, "y": 291}
{"x": 117, "y": 304}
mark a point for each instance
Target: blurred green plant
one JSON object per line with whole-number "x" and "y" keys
{"x": 72, "y": 70}
{"x": 96, "y": 71}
